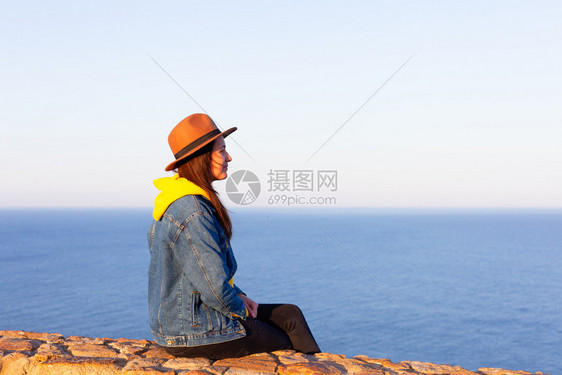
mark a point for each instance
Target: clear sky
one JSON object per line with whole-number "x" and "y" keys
{"x": 474, "y": 119}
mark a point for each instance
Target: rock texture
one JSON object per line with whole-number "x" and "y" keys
{"x": 34, "y": 353}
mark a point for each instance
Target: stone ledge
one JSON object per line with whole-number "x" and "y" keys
{"x": 35, "y": 353}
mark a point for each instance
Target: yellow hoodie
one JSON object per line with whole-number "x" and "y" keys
{"x": 172, "y": 189}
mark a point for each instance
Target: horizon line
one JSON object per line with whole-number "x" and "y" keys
{"x": 299, "y": 207}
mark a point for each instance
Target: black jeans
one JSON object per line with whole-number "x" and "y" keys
{"x": 277, "y": 327}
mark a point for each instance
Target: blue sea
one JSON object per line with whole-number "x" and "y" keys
{"x": 474, "y": 288}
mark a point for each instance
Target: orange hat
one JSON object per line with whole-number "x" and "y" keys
{"x": 191, "y": 134}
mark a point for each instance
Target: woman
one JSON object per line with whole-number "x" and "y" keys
{"x": 195, "y": 309}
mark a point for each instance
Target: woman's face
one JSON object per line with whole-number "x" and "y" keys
{"x": 219, "y": 159}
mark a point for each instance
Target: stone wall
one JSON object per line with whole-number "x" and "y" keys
{"x": 34, "y": 353}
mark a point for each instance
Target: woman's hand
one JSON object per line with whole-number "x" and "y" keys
{"x": 251, "y": 305}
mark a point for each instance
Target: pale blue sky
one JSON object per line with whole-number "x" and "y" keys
{"x": 473, "y": 120}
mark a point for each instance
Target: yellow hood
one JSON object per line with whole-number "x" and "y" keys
{"x": 172, "y": 189}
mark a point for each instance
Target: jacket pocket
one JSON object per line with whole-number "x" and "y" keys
{"x": 195, "y": 302}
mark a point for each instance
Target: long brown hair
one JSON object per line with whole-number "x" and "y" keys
{"x": 197, "y": 169}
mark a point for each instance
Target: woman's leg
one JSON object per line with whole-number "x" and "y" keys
{"x": 260, "y": 337}
{"x": 277, "y": 327}
{"x": 289, "y": 319}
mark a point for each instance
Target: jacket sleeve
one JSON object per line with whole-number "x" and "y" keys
{"x": 238, "y": 290}
{"x": 198, "y": 249}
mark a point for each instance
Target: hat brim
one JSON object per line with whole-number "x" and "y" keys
{"x": 225, "y": 134}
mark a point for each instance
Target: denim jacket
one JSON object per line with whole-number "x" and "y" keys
{"x": 190, "y": 299}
